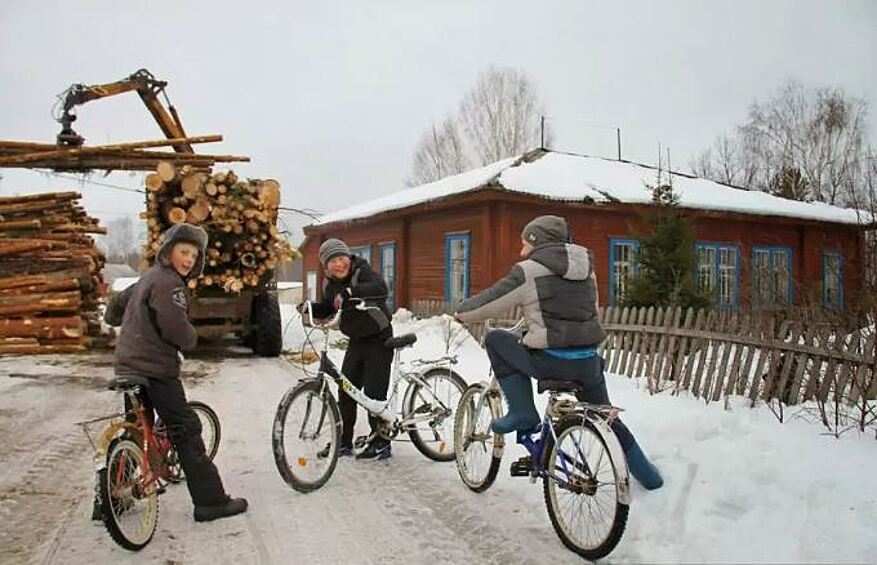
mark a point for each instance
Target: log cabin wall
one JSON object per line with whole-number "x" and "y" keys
{"x": 494, "y": 219}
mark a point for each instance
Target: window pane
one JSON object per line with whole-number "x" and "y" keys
{"x": 761, "y": 276}
{"x": 706, "y": 267}
{"x": 458, "y": 262}
{"x": 728, "y": 275}
{"x": 623, "y": 267}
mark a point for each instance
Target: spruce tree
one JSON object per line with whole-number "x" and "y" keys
{"x": 666, "y": 259}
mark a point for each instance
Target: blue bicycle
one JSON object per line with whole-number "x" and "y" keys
{"x": 575, "y": 452}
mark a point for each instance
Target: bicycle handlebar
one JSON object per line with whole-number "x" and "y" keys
{"x": 335, "y": 319}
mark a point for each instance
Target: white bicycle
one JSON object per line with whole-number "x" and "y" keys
{"x": 307, "y": 425}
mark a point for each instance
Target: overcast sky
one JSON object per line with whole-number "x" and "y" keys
{"x": 331, "y": 98}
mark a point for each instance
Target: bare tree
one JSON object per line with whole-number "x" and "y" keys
{"x": 501, "y": 114}
{"x": 729, "y": 161}
{"x": 819, "y": 132}
{"x": 120, "y": 243}
{"x": 440, "y": 153}
{"x": 499, "y": 117}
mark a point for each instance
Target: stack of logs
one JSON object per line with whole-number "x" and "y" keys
{"x": 240, "y": 217}
{"x": 49, "y": 274}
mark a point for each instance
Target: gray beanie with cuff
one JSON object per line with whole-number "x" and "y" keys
{"x": 332, "y": 248}
{"x": 546, "y": 229}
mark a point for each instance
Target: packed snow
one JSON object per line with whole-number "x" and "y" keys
{"x": 740, "y": 487}
{"x": 576, "y": 178}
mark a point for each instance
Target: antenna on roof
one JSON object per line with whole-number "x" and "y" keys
{"x": 618, "y": 137}
{"x": 542, "y": 133}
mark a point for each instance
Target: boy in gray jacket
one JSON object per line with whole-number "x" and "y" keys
{"x": 556, "y": 288}
{"x": 155, "y": 329}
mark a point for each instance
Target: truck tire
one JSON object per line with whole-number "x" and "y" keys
{"x": 267, "y": 338}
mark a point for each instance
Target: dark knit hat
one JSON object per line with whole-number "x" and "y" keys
{"x": 332, "y": 248}
{"x": 546, "y": 229}
{"x": 184, "y": 233}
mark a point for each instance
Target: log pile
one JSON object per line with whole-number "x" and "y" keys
{"x": 240, "y": 216}
{"x": 49, "y": 274}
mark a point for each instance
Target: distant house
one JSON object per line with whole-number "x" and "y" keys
{"x": 449, "y": 239}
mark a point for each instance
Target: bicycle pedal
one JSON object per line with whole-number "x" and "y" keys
{"x": 523, "y": 467}
{"x": 361, "y": 442}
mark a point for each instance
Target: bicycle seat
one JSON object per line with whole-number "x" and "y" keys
{"x": 560, "y": 386}
{"x": 127, "y": 382}
{"x": 403, "y": 340}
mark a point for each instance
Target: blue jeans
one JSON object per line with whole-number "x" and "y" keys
{"x": 508, "y": 356}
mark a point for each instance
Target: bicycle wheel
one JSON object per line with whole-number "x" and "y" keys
{"x": 432, "y": 435}
{"x": 211, "y": 432}
{"x": 477, "y": 449}
{"x": 305, "y": 436}
{"x": 584, "y": 506}
{"x": 129, "y": 506}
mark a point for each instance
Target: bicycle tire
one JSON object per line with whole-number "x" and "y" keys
{"x": 468, "y": 402}
{"x": 208, "y": 416}
{"x": 329, "y": 415}
{"x": 411, "y": 396}
{"x": 110, "y": 512}
{"x": 614, "y": 532}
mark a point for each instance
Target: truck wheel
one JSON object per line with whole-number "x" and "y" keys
{"x": 268, "y": 338}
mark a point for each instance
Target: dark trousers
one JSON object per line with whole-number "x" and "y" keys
{"x": 508, "y": 355}
{"x": 367, "y": 365}
{"x": 184, "y": 428}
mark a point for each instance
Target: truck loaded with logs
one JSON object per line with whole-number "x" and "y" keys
{"x": 237, "y": 290}
{"x": 236, "y": 293}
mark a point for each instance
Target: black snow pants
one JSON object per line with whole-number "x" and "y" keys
{"x": 367, "y": 365}
{"x": 184, "y": 428}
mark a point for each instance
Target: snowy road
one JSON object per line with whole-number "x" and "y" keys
{"x": 740, "y": 487}
{"x": 407, "y": 510}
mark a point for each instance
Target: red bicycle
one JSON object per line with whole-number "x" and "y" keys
{"x": 135, "y": 460}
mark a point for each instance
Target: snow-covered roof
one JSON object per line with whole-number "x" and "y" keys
{"x": 566, "y": 177}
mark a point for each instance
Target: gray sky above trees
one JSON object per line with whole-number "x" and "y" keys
{"x": 332, "y": 99}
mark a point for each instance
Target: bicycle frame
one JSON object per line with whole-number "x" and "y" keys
{"x": 383, "y": 409}
{"x": 142, "y": 427}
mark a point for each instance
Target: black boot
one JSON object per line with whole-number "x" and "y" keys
{"x": 230, "y": 507}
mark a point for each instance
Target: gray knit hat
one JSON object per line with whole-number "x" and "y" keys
{"x": 332, "y": 248}
{"x": 546, "y": 229}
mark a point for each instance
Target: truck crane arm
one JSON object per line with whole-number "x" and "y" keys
{"x": 145, "y": 84}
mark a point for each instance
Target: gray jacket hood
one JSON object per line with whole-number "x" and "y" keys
{"x": 567, "y": 260}
{"x": 189, "y": 234}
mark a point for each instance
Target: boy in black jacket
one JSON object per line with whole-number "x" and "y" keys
{"x": 367, "y": 361}
{"x": 155, "y": 328}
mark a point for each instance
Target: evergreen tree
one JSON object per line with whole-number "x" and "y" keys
{"x": 789, "y": 183}
{"x": 666, "y": 259}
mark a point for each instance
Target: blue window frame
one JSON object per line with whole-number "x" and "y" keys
{"x": 364, "y": 251}
{"x": 623, "y": 266}
{"x": 832, "y": 280}
{"x": 387, "y": 269}
{"x": 718, "y": 272}
{"x": 771, "y": 275}
{"x": 457, "y": 253}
